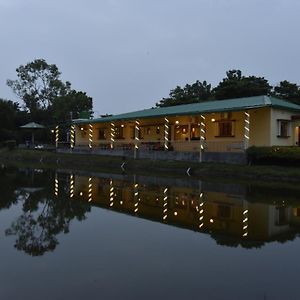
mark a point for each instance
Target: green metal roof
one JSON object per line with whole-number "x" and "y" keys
{"x": 236, "y": 104}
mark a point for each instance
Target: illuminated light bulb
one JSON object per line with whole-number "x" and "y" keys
{"x": 213, "y": 120}
{"x": 211, "y": 220}
{"x": 81, "y": 193}
{"x": 177, "y": 122}
{"x": 175, "y": 213}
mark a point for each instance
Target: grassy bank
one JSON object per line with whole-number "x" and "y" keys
{"x": 42, "y": 159}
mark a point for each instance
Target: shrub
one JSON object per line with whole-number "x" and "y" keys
{"x": 277, "y": 155}
{"x": 10, "y": 144}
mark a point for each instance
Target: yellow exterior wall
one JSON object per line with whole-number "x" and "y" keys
{"x": 260, "y": 126}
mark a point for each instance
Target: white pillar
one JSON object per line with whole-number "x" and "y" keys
{"x": 112, "y": 135}
{"x": 202, "y": 129}
{"x": 166, "y": 136}
{"x": 90, "y": 136}
{"x": 56, "y": 136}
{"x": 247, "y": 130}
{"x": 72, "y": 138}
{"x": 136, "y": 138}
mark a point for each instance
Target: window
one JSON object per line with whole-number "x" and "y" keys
{"x": 101, "y": 135}
{"x": 225, "y": 129}
{"x": 119, "y": 133}
{"x": 283, "y": 128}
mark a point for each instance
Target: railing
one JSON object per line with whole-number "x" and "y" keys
{"x": 180, "y": 146}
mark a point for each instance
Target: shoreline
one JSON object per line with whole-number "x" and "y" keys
{"x": 218, "y": 171}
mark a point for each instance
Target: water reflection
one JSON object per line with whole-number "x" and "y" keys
{"x": 231, "y": 214}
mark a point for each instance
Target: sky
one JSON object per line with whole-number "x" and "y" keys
{"x": 128, "y": 54}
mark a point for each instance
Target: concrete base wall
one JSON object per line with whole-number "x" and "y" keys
{"x": 222, "y": 157}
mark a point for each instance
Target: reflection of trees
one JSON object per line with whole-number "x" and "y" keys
{"x": 43, "y": 218}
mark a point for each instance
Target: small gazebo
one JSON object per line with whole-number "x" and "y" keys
{"x": 32, "y": 126}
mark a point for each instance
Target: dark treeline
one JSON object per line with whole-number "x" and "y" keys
{"x": 45, "y": 99}
{"x": 234, "y": 85}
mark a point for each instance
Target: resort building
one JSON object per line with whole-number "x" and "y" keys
{"x": 200, "y": 131}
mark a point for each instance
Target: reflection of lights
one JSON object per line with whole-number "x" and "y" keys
{"x": 175, "y": 213}
{"x": 56, "y": 185}
{"x": 177, "y": 122}
{"x": 202, "y": 131}
{"x": 136, "y": 197}
{"x": 81, "y": 193}
{"x": 56, "y": 136}
{"x": 211, "y": 220}
{"x": 166, "y": 144}
{"x": 90, "y": 196}
{"x": 121, "y": 202}
{"x": 200, "y": 210}
{"x": 122, "y": 125}
{"x": 111, "y": 193}
{"x": 72, "y": 139}
{"x": 165, "y": 204}
{"x": 245, "y": 221}
{"x": 71, "y": 186}
{"x": 90, "y": 136}
{"x": 112, "y": 135}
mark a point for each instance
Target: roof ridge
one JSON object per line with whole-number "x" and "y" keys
{"x": 267, "y": 100}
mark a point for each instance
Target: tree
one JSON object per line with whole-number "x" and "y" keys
{"x": 8, "y": 117}
{"x": 48, "y": 99}
{"x": 236, "y": 86}
{"x": 38, "y": 84}
{"x": 288, "y": 91}
{"x": 70, "y": 105}
{"x": 196, "y": 92}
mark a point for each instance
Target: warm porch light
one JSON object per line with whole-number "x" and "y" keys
{"x": 211, "y": 220}
{"x": 122, "y": 125}
{"x": 213, "y": 120}
{"x": 81, "y": 128}
{"x": 177, "y": 122}
{"x": 175, "y": 213}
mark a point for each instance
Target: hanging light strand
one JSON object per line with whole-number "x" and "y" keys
{"x": 166, "y": 142}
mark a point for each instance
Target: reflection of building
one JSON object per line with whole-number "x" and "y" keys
{"x": 216, "y": 212}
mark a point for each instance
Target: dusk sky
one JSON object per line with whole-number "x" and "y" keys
{"x": 128, "y": 54}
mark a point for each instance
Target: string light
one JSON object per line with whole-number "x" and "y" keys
{"x": 166, "y": 144}
{"x": 72, "y": 139}
{"x": 247, "y": 129}
{"x": 136, "y": 137}
{"x": 112, "y": 134}
{"x": 245, "y": 219}
{"x": 200, "y": 210}
{"x": 202, "y": 136}
{"x": 90, "y": 136}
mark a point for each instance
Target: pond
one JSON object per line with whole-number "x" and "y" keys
{"x": 76, "y": 235}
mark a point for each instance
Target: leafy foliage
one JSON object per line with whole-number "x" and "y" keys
{"x": 288, "y": 91}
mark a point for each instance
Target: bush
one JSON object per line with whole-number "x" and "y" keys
{"x": 10, "y": 144}
{"x": 276, "y": 155}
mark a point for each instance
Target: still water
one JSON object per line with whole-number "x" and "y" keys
{"x": 107, "y": 236}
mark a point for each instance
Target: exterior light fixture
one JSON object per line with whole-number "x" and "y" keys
{"x": 177, "y": 122}
{"x": 211, "y": 220}
{"x": 122, "y": 125}
{"x": 213, "y": 120}
{"x": 175, "y": 213}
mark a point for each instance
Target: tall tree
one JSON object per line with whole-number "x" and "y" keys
{"x": 196, "y": 92}
{"x": 8, "y": 118}
{"x": 287, "y": 90}
{"x": 235, "y": 85}
{"x": 38, "y": 84}
{"x": 46, "y": 97}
